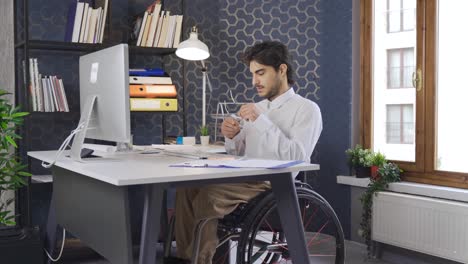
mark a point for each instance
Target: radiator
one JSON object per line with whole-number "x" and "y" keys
{"x": 433, "y": 226}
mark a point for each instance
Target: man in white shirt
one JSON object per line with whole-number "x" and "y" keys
{"x": 283, "y": 126}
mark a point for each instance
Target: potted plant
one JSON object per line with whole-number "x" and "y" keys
{"x": 388, "y": 172}
{"x": 378, "y": 160}
{"x": 360, "y": 160}
{"x": 204, "y": 136}
{"x": 12, "y": 172}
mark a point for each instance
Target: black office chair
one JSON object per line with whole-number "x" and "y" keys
{"x": 256, "y": 228}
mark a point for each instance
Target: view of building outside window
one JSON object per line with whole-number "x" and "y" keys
{"x": 400, "y": 15}
{"x": 394, "y": 63}
{"x": 400, "y": 124}
{"x": 452, "y": 87}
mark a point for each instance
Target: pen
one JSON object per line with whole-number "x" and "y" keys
{"x": 236, "y": 117}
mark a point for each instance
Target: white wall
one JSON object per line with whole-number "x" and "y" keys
{"x": 7, "y": 74}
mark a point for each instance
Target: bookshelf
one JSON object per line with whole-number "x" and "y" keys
{"x": 46, "y": 130}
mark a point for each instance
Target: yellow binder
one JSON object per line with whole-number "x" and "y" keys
{"x": 153, "y": 104}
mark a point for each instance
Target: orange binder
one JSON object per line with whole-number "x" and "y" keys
{"x": 153, "y": 90}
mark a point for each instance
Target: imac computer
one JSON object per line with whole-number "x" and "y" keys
{"x": 104, "y": 98}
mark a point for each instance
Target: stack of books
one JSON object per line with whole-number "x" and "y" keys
{"x": 152, "y": 90}
{"x": 46, "y": 92}
{"x": 86, "y": 21}
{"x": 156, "y": 28}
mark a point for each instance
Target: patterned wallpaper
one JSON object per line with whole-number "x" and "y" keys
{"x": 318, "y": 35}
{"x": 317, "y": 32}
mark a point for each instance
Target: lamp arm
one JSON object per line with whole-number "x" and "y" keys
{"x": 204, "y": 99}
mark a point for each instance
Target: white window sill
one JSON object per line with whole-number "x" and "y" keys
{"x": 428, "y": 190}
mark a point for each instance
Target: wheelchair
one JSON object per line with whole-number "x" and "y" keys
{"x": 255, "y": 230}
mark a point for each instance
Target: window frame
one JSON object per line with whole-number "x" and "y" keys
{"x": 423, "y": 169}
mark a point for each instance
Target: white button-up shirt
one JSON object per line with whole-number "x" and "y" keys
{"x": 288, "y": 128}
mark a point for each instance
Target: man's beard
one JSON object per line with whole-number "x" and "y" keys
{"x": 274, "y": 91}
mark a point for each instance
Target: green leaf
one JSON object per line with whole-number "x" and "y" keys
{"x": 3, "y": 92}
{"x": 11, "y": 141}
{"x": 20, "y": 114}
{"x": 25, "y": 174}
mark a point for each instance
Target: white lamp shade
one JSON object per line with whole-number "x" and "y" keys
{"x": 192, "y": 49}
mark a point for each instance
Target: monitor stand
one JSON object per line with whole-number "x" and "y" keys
{"x": 79, "y": 138}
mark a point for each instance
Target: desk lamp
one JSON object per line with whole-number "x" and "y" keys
{"x": 193, "y": 49}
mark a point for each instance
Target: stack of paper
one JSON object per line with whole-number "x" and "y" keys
{"x": 239, "y": 163}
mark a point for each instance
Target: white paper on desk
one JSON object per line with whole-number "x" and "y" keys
{"x": 239, "y": 163}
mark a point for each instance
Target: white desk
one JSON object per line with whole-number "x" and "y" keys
{"x": 91, "y": 200}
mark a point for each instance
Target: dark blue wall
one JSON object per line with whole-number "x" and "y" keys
{"x": 335, "y": 103}
{"x": 317, "y": 32}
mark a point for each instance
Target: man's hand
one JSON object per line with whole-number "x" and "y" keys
{"x": 230, "y": 127}
{"x": 249, "y": 112}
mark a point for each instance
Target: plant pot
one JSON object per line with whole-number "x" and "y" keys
{"x": 204, "y": 140}
{"x": 362, "y": 172}
{"x": 375, "y": 172}
{"x": 25, "y": 247}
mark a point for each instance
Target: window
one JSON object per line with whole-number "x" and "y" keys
{"x": 400, "y": 15}
{"x": 420, "y": 125}
{"x": 400, "y": 67}
{"x": 400, "y": 124}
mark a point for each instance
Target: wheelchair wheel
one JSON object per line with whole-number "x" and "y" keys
{"x": 262, "y": 239}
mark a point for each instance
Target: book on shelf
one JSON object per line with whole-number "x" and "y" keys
{"x": 38, "y": 89}
{"x": 156, "y": 28}
{"x": 147, "y": 27}
{"x": 142, "y": 28}
{"x": 91, "y": 25}
{"x": 153, "y": 90}
{"x": 164, "y": 30}
{"x": 32, "y": 85}
{"x": 178, "y": 31}
{"x": 86, "y": 21}
{"x": 104, "y": 4}
{"x": 75, "y": 10}
{"x": 153, "y": 104}
{"x": 47, "y": 93}
{"x": 153, "y": 25}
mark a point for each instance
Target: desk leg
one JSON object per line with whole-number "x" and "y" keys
{"x": 51, "y": 232}
{"x": 290, "y": 216}
{"x": 154, "y": 195}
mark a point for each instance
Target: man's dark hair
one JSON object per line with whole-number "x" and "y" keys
{"x": 271, "y": 53}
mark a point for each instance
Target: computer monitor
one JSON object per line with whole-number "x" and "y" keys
{"x": 104, "y": 98}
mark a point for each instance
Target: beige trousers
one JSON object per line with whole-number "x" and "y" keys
{"x": 211, "y": 201}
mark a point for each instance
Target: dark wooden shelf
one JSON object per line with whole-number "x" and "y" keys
{"x": 51, "y": 113}
{"x": 148, "y": 50}
{"x": 86, "y": 47}
{"x": 60, "y": 46}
